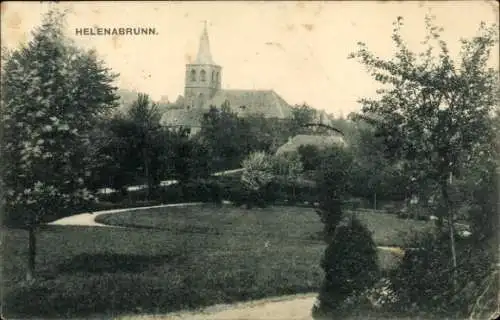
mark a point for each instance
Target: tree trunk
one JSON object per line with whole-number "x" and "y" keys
{"x": 451, "y": 229}
{"x": 375, "y": 201}
{"x": 30, "y": 273}
{"x": 146, "y": 173}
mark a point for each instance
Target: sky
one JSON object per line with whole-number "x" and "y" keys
{"x": 298, "y": 49}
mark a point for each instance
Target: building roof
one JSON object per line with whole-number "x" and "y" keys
{"x": 181, "y": 117}
{"x": 246, "y": 102}
{"x": 320, "y": 141}
{"x": 204, "y": 56}
{"x": 243, "y": 102}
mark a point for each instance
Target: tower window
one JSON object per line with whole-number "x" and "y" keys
{"x": 213, "y": 76}
{"x": 217, "y": 77}
{"x": 193, "y": 75}
{"x": 203, "y": 75}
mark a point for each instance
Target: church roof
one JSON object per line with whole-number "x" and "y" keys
{"x": 320, "y": 141}
{"x": 245, "y": 102}
{"x": 204, "y": 56}
{"x": 181, "y": 117}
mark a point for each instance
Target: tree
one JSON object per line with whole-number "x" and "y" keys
{"x": 131, "y": 147}
{"x": 146, "y": 137}
{"x": 288, "y": 165}
{"x": 310, "y": 156}
{"x": 374, "y": 175}
{"x": 302, "y": 115}
{"x": 217, "y": 125}
{"x": 433, "y": 111}
{"x": 287, "y": 168}
{"x": 52, "y": 95}
{"x": 116, "y": 159}
{"x": 189, "y": 157}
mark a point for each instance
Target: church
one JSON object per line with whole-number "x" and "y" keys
{"x": 203, "y": 88}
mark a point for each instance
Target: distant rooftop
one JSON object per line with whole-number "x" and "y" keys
{"x": 243, "y": 102}
{"x": 320, "y": 141}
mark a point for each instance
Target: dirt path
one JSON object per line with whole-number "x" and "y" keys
{"x": 295, "y": 307}
{"x": 88, "y": 219}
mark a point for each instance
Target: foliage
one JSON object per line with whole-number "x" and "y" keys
{"x": 435, "y": 113}
{"x": 189, "y": 158}
{"x": 257, "y": 176}
{"x": 301, "y": 115}
{"x": 258, "y": 170}
{"x": 452, "y": 103}
{"x": 374, "y": 174}
{"x": 309, "y": 156}
{"x": 332, "y": 179}
{"x": 350, "y": 265}
{"x": 288, "y": 166}
{"x": 265, "y": 134}
{"x": 219, "y": 124}
{"x": 133, "y": 147}
{"x": 252, "y": 133}
{"x": 265, "y": 176}
{"x": 422, "y": 281}
{"x": 333, "y": 173}
{"x": 53, "y": 93}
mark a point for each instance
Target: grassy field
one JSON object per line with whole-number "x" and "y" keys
{"x": 181, "y": 258}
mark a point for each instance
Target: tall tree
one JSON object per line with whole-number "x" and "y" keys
{"x": 146, "y": 137}
{"x": 434, "y": 112}
{"x": 134, "y": 146}
{"x": 219, "y": 124}
{"x": 52, "y": 95}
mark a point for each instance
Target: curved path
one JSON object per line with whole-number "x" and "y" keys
{"x": 88, "y": 219}
{"x": 293, "y": 307}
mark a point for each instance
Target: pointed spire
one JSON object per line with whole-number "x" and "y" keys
{"x": 204, "y": 55}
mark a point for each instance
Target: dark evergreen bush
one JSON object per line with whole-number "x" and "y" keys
{"x": 330, "y": 213}
{"x": 350, "y": 265}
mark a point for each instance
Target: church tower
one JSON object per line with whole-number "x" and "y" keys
{"x": 203, "y": 77}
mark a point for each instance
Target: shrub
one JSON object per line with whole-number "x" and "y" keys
{"x": 258, "y": 171}
{"x": 310, "y": 156}
{"x": 257, "y": 176}
{"x": 423, "y": 282}
{"x": 350, "y": 265}
{"x": 330, "y": 213}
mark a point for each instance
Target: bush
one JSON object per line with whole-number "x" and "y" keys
{"x": 420, "y": 280}
{"x": 351, "y": 266}
{"x": 257, "y": 176}
{"x": 423, "y": 282}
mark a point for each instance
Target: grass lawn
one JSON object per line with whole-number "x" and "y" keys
{"x": 389, "y": 230}
{"x": 182, "y": 258}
